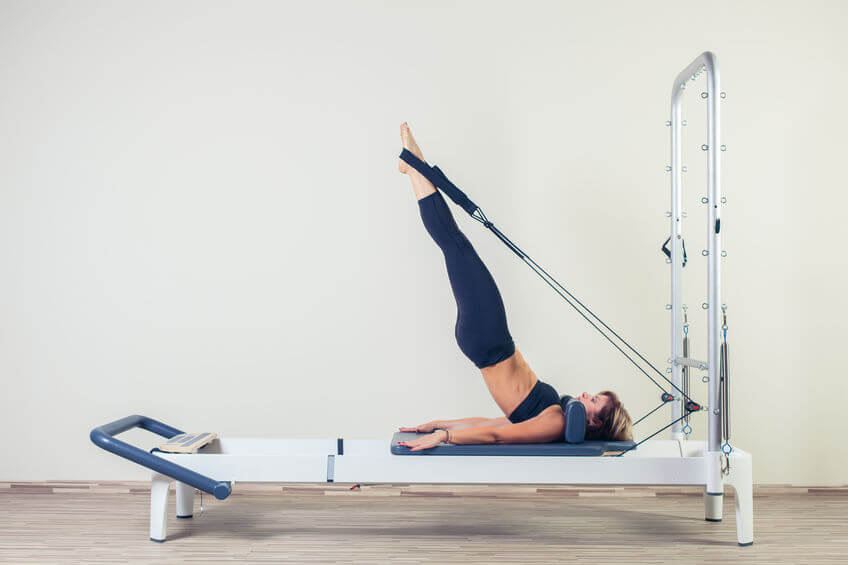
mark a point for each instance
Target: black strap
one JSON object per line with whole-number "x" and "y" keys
{"x": 667, "y": 251}
{"x": 438, "y": 178}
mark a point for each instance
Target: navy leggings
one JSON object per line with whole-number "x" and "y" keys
{"x": 481, "y": 330}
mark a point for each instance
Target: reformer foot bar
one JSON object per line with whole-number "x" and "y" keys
{"x": 677, "y": 461}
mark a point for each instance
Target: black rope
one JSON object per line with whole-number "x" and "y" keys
{"x": 591, "y": 323}
{"x": 649, "y": 413}
{"x": 565, "y": 294}
{"x": 634, "y": 446}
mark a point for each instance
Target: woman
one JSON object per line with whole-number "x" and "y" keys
{"x": 532, "y": 407}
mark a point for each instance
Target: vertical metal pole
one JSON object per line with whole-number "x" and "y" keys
{"x": 714, "y": 249}
{"x": 676, "y": 233}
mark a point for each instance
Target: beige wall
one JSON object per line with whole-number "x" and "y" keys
{"x": 201, "y": 220}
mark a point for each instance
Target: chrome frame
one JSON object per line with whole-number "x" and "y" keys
{"x": 705, "y": 62}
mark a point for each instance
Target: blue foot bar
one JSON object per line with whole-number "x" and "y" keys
{"x": 104, "y": 437}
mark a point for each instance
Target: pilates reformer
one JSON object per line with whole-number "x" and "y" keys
{"x": 675, "y": 461}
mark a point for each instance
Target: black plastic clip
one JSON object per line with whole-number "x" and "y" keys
{"x": 666, "y": 397}
{"x": 692, "y": 406}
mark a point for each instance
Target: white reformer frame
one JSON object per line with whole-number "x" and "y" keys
{"x": 655, "y": 462}
{"x": 675, "y": 461}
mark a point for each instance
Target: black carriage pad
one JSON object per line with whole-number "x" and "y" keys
{"x": 553, "y": 449}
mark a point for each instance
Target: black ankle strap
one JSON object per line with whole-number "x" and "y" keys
{"x": 439, "y": 180}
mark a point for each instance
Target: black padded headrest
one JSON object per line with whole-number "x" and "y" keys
{"x": 575, "y": 419}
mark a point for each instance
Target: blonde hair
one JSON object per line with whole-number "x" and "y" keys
{"x": 615, "y": 422}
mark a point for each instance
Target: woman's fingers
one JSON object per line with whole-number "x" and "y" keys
{"x": 421, "y": 443}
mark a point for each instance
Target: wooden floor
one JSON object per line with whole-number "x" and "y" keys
{"x": 75, "y": 522}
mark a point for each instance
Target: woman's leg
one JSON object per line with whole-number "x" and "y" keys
{"x": 481, "y": 328}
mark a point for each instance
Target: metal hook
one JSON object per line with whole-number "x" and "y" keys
{"x": 704, "y": 200}
{"x": 668, "y": 306}
{"x": 684, "y": 168}
{"x": 684, "y": 122}
{"x": 725, "y": 464}
{"x": 705, "y": 379}
{"x": 723, "y": 253}
{"x": 704, "y": 252}
{"x": 723, "y": 94}
{"x": 704, "y": 95}
{"x": 705, "y": 305}
{"x": 668, "y": 122}
{"x": 667, "y": 168}
{"x": 724, "y": 199}
{"x": 704, "y": 147}
{"x": 724, "y": 148}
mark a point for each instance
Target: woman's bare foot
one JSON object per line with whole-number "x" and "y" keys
{"x": 409, "y": 144}
{"x": 420, "y": 185}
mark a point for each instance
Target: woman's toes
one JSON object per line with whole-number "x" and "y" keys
{"x": 409, "y": 142}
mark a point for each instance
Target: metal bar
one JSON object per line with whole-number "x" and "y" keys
{"x": 687, "y": 362}
{"x": 103, "y": 437}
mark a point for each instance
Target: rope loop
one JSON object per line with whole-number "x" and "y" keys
{"x": 488, "y": 224}
{"x": 726, "y": 448}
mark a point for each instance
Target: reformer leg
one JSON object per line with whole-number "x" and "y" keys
{"x": 713, "y": 504}
{"x": 741, "y": 479}
{"x": 185, "y": 500}
{"x": 159, "y": 506}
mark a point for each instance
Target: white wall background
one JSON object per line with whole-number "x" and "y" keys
{"x": 201, "y": 219}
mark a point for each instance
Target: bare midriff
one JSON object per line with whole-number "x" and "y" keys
{"x": 510, "y": 381}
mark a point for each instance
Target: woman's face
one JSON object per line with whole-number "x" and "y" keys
{"x": 593, "y": 403}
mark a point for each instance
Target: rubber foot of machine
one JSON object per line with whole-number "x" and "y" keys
{"x": 713, "y": 519}
{"x": 746, "y": 544}
{"x": 185, "y": 517}
{"x": 157, "y": 540}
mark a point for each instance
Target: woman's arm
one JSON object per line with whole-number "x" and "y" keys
{"x": 460, "y": 424}
{"x": 541, "y": 429}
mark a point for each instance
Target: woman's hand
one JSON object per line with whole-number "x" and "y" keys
{"x": 423, "y": 428}
{"x": 426, "y": 442}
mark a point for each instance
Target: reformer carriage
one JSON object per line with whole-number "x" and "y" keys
{"x": 676, "y": 461}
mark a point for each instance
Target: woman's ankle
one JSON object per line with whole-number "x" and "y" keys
{"x": 420, "y": 185}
